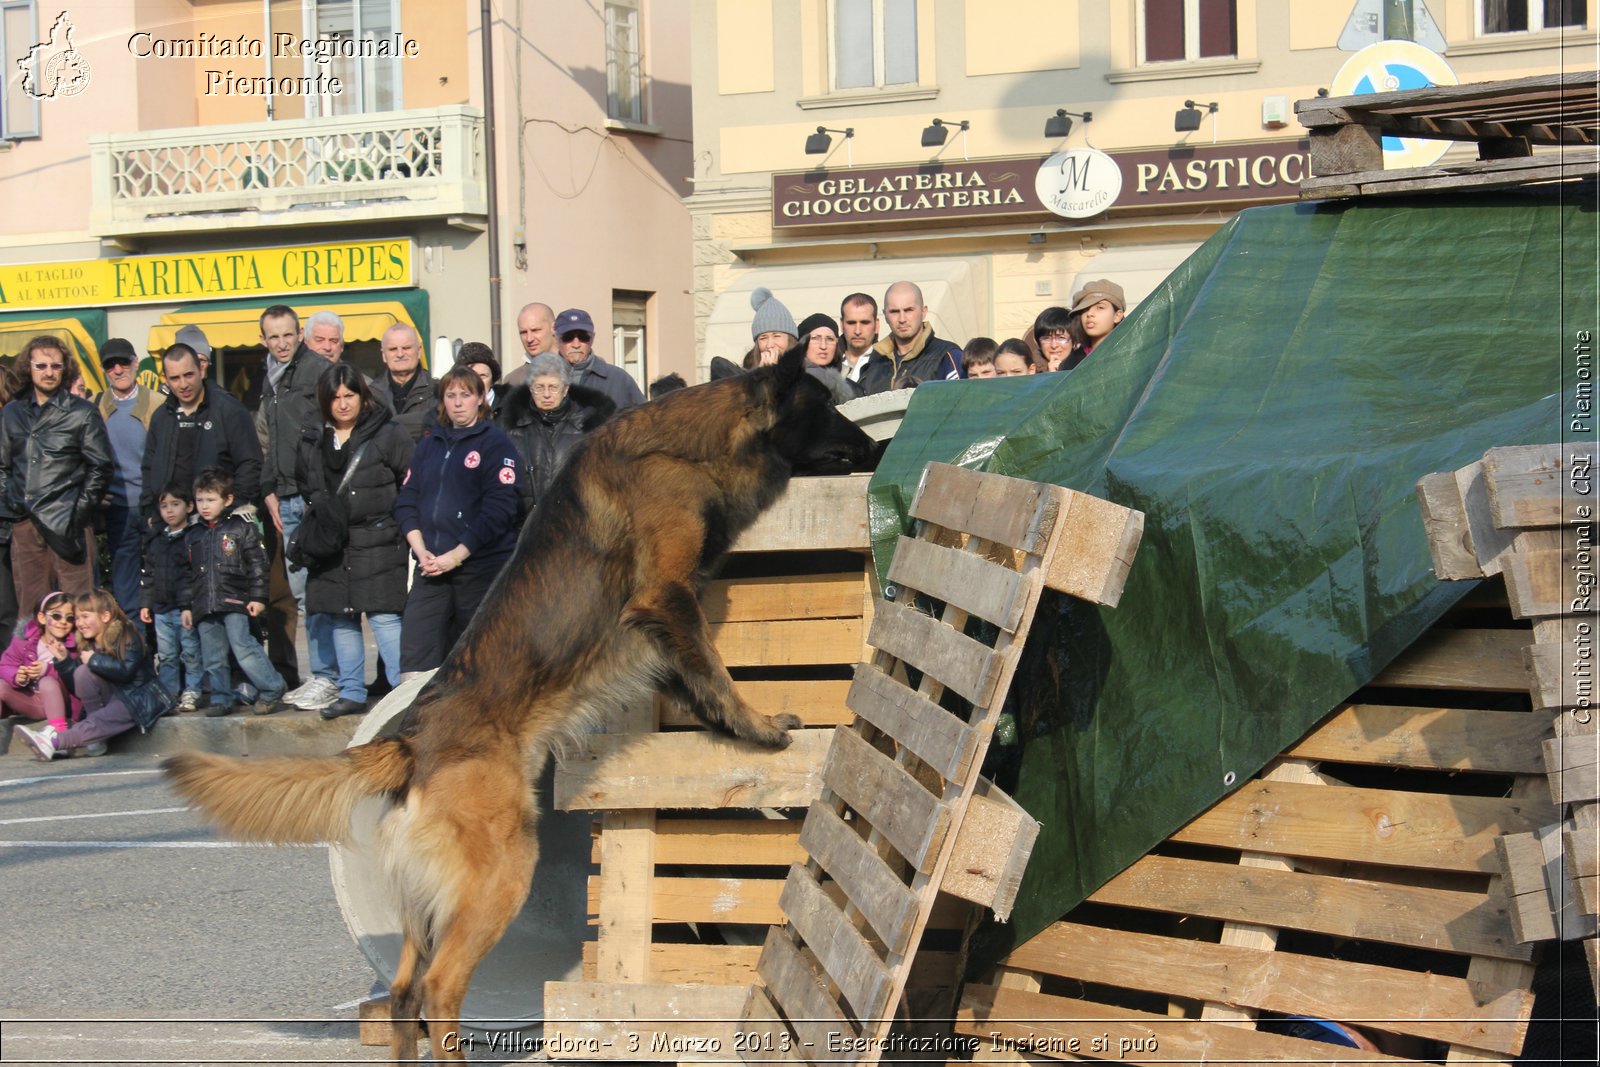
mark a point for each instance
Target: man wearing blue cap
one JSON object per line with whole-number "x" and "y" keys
{"x": 575, "y": 333}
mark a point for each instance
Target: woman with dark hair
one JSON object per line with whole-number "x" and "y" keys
{"x": 113, "y": 679}
{"x": 350, "y": 469}
{"x": 458, "y": 509}
{"x": 1056, "y": 339}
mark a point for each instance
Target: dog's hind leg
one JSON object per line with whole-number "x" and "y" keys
{"x": 405, "y": 999}
{"x": 497, "y": 857}
{"x": 670, "y": 615}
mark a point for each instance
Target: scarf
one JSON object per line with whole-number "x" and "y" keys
{"x": 275, "y": 370}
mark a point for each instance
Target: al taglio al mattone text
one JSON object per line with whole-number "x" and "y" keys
{"x": 323, "y": 50}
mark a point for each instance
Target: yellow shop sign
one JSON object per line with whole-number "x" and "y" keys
{"x": 382, "y": 264}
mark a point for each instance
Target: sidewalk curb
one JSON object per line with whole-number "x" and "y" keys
{"x": 294, "y": 733}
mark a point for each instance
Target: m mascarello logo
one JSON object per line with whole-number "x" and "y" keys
{"x": 54, "y": 67}
{"x": 1078, "y": 182}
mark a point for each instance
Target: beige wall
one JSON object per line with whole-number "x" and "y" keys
{"x": 1006, "y": 68}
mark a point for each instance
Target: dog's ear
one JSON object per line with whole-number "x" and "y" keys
{"x": 789, "y": 367}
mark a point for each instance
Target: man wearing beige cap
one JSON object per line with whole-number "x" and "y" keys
{"x": 1099, "y": 306}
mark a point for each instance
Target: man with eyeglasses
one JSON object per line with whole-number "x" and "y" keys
{"x": 126, "y": 406}
{"x": 575, "y": 329}
{"x": 55, "y": 467}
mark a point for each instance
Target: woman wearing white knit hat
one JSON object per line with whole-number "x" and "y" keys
{"x": 772, "y": 329}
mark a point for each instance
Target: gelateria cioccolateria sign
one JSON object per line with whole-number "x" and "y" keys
{"x": 1073, "y": 183}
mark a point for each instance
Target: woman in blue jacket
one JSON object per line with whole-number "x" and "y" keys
{"x": 458, "y": 509}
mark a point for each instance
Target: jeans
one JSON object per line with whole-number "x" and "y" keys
{"x": 386, "y": 633}
{"x": 219, "y": 633}
{"x": 292, "y": 509}
{"x": 106, "y": 714}
{"x": 175, "y": 646}
{"x": 320, "y": 648}
{"x": 123, "y": 542}
{"x": 343, "y": 634}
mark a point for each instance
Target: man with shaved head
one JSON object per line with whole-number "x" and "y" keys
{"x": 536, "y": 329}
{"x": 911, "y": 354}
{"x": 404, "y": 387}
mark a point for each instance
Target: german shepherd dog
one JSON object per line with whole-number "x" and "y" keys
{"x": 597, "y": 608}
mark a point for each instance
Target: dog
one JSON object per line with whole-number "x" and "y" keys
{"x": 597, "y": 608}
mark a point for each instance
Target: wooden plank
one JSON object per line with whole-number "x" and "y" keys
{"x": 697, "y": 769}
{"x": 1049, "y": 1025}
{"x": 764, "y": 1035}
{"x": 1570, "y": 165}
{"x": 627, "y": 869}
{"x": 1431, "y": 1006}
{"x": 1542, "y": 582}
{"x": 736, "y": 965}
{"x": 1354, "y": 148}
{"x": 1462, "y": 537}
{"x": 818, "y": 702}
{"x": 1431, "y": 831}
{"x": 1443, "y": 919}
{"x": 1582, "y": 849}
{"x": 1559, "y": 676}
{"x": 1002, "y": 510}
{"x": 937, "y": 737}
{"x": 1573, "y": 770}
{"x": 722, "y": 900}
{"x": 838, "y": 946}
{"x": 1554, "y": 89}
{"x": 1571, "y": 921}
{"x": 1448, "y": 739}
{"x": 640, "y": 1022}
{"x": 788, "y": 642}
{"x": 786, "y": 596}
{"x": 970, "y": 582}
{"x": 813, "y": 514}
{"x": 991, "y": 851}
{"x": 960, "y": 663}
{"x": 373, "y": 1026}
{"x": 899, "y": 807}
{"x": 1478, "y": 660}
{"x": 1098, "y": 543}
{"x": 1534, "y": 485}
{"x": 885, "y": 902}
{"x": 728, "y": 842}
{"x": 1521, "y": 863}
{"x": 800, "y": 989}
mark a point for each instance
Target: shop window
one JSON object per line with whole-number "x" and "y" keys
{"x": 625, "y": 82}
{"x": 19, "y": 33}
{"x": 367, "y": 84}
{"x": 1530, "y": 16}
{"x": 1174, "y": 31}
{"x": 874, "y": 43}
{"x": 628, "y": 336}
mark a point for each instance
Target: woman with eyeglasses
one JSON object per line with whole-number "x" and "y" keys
{"x": 458, "y": 508}
{"x": 546, "y": 418}
{"x": 1059, "y": 337}
{"x": 35, "y": 666}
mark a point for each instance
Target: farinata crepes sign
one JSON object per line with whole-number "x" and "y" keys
{"x": 1075, "y": 183}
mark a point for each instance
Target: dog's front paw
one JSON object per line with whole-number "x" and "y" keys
{"x": 777, "y": 735}
{"x": 787, "y": 721}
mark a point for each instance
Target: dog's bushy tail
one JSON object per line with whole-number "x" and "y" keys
{"x": 292, "y": 799}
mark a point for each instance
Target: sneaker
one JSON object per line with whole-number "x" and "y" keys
{"x": 217, "y": 709}
{"x": 313, "y": 696}
{"x": 344, "y": 707}
{"x": 189, "y": 701}
{"x": 43, "y": 741}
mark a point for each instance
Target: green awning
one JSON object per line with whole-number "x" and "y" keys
{"x": 83, "y": 331}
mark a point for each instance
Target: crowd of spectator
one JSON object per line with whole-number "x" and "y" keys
{"x": 327, "y": 496}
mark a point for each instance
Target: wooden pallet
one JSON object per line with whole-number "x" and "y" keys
{"x": 1506, "y": 119}
{"x": 1528, "y": 513}
{"x": 1354, "y": 880}
{"x": 899, "y": 781}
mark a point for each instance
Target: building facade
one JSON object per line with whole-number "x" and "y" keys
{"x": 841, "y": 145}
{"x": 175, "y": 162}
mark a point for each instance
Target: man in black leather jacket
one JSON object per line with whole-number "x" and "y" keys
{"x": 55, "y": 466}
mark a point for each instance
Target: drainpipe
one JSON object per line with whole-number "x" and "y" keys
{"x": 266, "y": 46}
{"x": 486, "y": 21}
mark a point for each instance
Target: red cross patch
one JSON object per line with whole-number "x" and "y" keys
{"x": 508, "y": 475}
{"x": 472, "y": 460}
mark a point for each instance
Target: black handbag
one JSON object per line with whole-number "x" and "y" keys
{"x": 324, "y": 530}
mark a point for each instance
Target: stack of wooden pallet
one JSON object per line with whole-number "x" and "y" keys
{"x": 1350, "y": 893}
{"x": 1529, "y": 513}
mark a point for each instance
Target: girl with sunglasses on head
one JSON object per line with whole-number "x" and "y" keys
{"x": 112, "y": 677}
{"x": 35, "y": 669}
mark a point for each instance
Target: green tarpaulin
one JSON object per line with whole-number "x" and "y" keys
{"x": 1270, "y": 409}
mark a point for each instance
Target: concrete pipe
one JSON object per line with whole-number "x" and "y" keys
{"x": 544, "y": 944}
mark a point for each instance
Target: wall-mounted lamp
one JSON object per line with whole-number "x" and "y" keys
{"x": 935, "y": 135}
{"x": 1188, "y": 120}
{"x": 818, "y": 143}
{"x": 1059, "y": 124}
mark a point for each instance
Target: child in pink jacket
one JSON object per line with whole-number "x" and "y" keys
{"x": 33, "y": 666}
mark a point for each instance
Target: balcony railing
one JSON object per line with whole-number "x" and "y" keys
{"x": 397, "y": 164}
